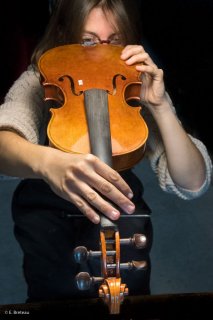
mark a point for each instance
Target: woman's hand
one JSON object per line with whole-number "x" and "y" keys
{"x": 84, "y": 180}
{"x": 179, "y": 149}
{"x": 153, "y": 89}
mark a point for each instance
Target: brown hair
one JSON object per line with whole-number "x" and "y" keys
{"x": 68, "y": 18}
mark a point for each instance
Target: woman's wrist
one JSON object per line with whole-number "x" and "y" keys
{"x": 162, "y": 110}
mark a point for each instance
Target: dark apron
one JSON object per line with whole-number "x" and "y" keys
{"x": 48, "y": 233}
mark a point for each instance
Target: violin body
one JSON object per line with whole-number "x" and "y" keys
{"x": 67, "y": 73}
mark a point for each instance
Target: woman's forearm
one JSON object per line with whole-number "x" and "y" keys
{"x": 18, "y": 157}
{"x": 185, "y": 162}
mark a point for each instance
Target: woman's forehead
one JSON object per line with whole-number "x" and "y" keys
{"x": 100, "y": 20}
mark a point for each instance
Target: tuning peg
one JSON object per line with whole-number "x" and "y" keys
{"x": 84, "y": 281}
{"x": 139, "y": 240}
{"x": 134, "y": 265}
{"x": 138, "y": 265}
{"x": 81, "y": 254}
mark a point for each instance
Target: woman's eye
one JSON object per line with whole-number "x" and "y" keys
{"x": 115, "y": 40}
{"x": 87, "y": 39}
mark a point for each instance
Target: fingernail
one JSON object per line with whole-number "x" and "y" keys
{"x": 115, "y": 213}
{"x": 96, "y": 219}
{"x": 130, "y": 195}
{"x": 130, "y": 208}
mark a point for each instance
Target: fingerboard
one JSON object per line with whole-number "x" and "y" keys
{"x": 97, "y": 113}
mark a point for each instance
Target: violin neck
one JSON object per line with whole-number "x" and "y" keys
{"x": 96, "y": 104}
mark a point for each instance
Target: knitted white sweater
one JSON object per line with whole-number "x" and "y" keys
{"x": 25, "y": 112}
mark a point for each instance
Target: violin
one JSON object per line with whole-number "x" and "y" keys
{"x": 98, "y": 112}
{"x": 76, "y": 76}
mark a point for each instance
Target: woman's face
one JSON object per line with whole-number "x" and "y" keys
{"x": 100, "y": 27}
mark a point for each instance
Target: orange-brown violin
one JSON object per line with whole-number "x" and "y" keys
{"x": 69, "y": 73}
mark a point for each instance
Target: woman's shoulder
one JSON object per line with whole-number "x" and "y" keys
{"x": 27, "y": 84}
{"x": 30, "y": 74}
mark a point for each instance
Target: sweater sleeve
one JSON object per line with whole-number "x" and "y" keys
{"x": 24, "y": 109}
{"x": 156, "y": 154}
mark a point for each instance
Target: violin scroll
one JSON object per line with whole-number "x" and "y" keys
{"x": 111, "y": 289}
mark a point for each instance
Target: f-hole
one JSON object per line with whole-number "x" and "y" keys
{"x": 132, "y": 94}
{"x": 114, "y": 83}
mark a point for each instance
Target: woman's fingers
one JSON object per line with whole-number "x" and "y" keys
{"x": 95, "y": 188}
{"x": 153, "y": 89}
{"x": 112, "y": 193}
{"x": 99, "y": 175}
{"x": 136, "y": 54}
{"x": 93, "y": 180}
{"x": 91, "y": 203}
{"x": 85, "y": 208}
{"x": 97, "y": 202}
{"x": 157, "y": 74}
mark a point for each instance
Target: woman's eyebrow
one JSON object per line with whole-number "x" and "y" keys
{"x": 90, "y": 32}
{"x": 95, "y": 34}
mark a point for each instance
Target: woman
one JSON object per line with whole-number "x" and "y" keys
{"x": 59, "y": 184}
